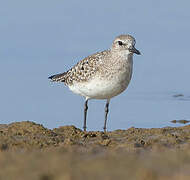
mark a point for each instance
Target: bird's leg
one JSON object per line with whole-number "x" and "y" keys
{"x": 106, "y": 114}
{"x": 85, "y": 114}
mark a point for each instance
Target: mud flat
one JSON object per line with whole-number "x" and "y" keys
{"x": 30, "y": 151}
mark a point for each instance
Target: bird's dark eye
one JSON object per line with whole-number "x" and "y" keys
{"x": 120, "y": 43}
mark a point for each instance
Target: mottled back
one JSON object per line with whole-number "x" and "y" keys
{"x": 82, "y": 71}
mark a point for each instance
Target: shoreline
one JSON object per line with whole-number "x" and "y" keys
{"x": 69, "y": 153}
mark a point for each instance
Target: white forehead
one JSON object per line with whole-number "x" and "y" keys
{"x": 128, "y": 39}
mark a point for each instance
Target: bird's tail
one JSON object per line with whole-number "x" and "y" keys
{"x": 58, "y": 77}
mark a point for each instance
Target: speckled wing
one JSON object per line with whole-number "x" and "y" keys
{"x": 82, "y": 71}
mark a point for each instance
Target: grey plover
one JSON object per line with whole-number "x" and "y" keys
{"x": 102, "y": 75}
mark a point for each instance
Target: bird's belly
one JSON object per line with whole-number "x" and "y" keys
{"x": 100, "y": 88}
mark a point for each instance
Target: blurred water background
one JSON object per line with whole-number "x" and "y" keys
{"x": 41, "y": 38}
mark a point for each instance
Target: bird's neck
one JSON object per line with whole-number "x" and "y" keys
{"x": 122, "y": 55}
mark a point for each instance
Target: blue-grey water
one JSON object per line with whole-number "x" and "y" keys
{"x": 41, "y": 38}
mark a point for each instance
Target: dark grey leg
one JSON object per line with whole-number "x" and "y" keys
{"x": 85, "y": 113}
{"x": 106, "y": 114}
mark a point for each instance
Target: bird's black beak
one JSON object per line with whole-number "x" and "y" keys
{"x": 134, "y": 50}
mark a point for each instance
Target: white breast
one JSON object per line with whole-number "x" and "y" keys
{"x": 103, "y": 88}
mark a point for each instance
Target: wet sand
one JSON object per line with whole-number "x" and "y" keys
{"x": 30, "y": 151}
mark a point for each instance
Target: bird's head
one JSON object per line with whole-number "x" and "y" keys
{"x": 125, "y": 43}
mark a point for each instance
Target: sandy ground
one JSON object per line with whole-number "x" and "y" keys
{"x": 28, "y": 151}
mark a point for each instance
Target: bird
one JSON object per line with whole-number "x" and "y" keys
{"x": 102, "y": 75}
